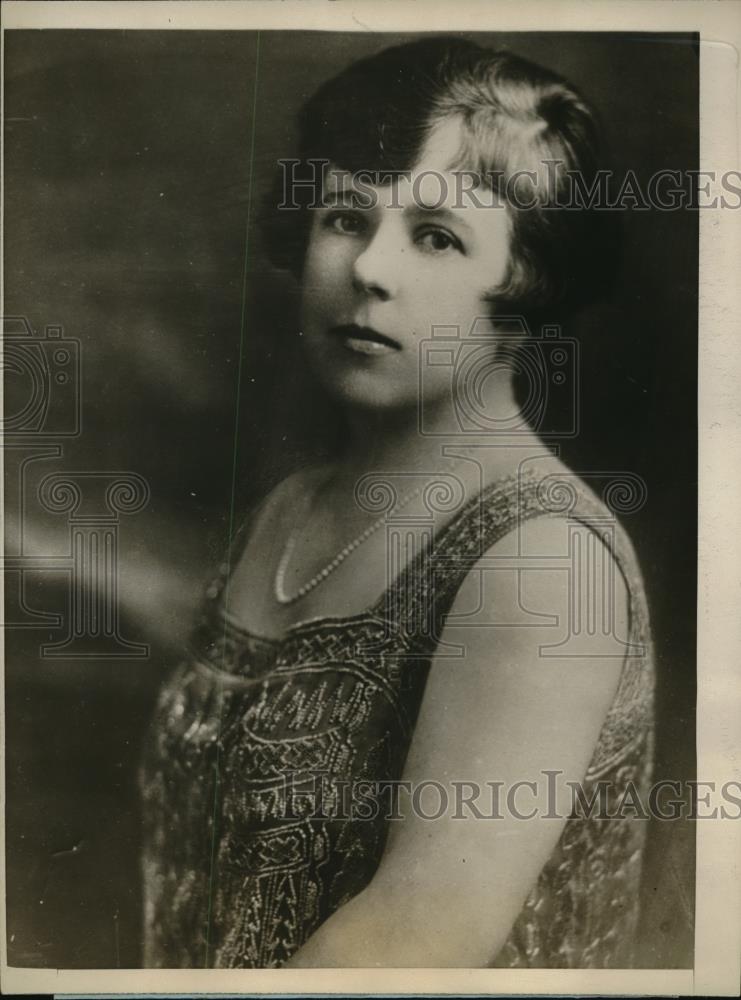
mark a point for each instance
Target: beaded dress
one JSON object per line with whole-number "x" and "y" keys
{"x": 247, "y": 846}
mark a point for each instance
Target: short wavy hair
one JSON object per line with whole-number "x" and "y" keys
{"x": 519, "y": 120}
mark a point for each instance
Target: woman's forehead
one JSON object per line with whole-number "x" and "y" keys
{"x": 431, "y": 183}
{"x": 438, "y": 153}
{"x": 425, "y": 187}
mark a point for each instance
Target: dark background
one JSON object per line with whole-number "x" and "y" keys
{"x": 135, "y": 163}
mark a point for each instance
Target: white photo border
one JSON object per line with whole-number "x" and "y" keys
{"x": 717, "y": 968}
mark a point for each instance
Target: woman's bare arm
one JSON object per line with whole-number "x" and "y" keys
{"x": 449, "y": 889}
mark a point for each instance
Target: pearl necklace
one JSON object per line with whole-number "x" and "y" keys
{"x": 279, "y": 590}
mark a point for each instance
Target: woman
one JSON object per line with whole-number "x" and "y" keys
{"x": 443, "y": 607}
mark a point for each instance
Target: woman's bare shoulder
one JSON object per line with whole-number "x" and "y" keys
{"x": 505, "y": 698}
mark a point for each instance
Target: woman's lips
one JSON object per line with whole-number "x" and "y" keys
{"x": 364, "y": 340}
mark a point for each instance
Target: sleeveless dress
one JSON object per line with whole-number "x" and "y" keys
{"x": 241, "y": 860}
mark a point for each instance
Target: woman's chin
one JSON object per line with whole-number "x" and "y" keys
{"x": 355, "y": 397}
{"x": 365, "y": 391}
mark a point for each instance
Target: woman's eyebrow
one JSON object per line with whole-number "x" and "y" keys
{"x": 439, "y": 212}
{"x": 348, "y": 197}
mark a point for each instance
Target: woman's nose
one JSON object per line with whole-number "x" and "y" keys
{"x": 376, "y": 268}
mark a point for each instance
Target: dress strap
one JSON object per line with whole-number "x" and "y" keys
{"x": 419, "y": 600}
{"x": 202, "y": 633}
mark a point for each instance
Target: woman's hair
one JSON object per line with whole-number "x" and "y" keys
{"x": 526, "y": 133}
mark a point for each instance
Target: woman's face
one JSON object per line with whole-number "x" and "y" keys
{"x": 378, "y": 279}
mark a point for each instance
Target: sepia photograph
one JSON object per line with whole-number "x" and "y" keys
{"x": 350, "y": 439}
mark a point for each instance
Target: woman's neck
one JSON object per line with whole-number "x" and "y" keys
{"x": 391, "y": 442}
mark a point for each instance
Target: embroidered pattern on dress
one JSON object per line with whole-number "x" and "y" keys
{"x": 240, "y": 867}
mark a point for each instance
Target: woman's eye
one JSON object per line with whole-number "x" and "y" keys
{"x": 438, "y": 241}
{"x": 347, "y": 223}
